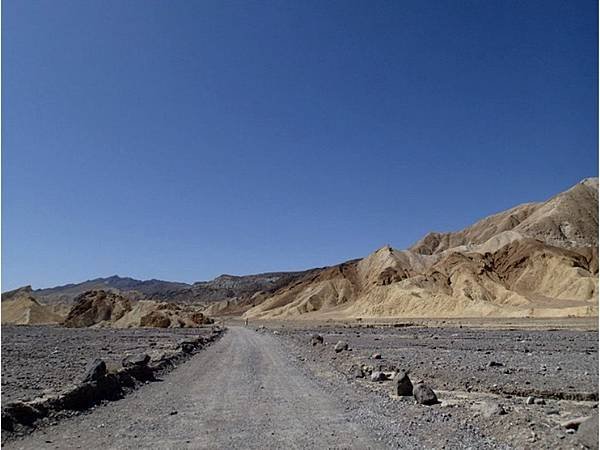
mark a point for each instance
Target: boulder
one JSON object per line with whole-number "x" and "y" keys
{"x": 340, "y": 346}
{"x": 529, "y": 400}
{"x": 402, "y": 386}
{"x": 376, "y": 356}
{"x": 95, "y": 370}
{"x": 424, "y": 394}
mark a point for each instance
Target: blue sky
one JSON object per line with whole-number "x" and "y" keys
{"x": 184, "y": 139}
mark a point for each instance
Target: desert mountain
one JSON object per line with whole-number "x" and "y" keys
{"x": 537, "y": 259}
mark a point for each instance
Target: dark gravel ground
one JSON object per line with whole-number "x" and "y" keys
{"x": 47, "y": 359}
{"x": 560, "y": 366}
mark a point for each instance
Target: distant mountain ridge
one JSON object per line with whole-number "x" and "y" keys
{"x": 203, "y": 292}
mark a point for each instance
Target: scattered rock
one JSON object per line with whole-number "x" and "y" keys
{"x": 186, "y": 346}
{"x": 573, "y": 424}
{"x": 340, "y": 346}
{"x": 356, "y": 372}
{"x": 493, "y": 409}
{"x": 316, "y": 339}
{"x": 494, "y": 364}
{"x": 424, "y": 394}
{"x": 402, "y": 385}
{"x": 378, "y": 376}
{"x": 95, "y": 370}
{"x": 141, "y": 359}
{"x": 19, "y": 412}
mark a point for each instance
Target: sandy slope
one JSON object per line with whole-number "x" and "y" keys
{"x": 25, "y": 310}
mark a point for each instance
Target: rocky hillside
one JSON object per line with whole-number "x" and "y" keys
{"x": 108, "y": 309}
{"x": 538, "y": 259}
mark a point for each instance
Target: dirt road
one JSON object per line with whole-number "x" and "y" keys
{"x": 242, "y": 392}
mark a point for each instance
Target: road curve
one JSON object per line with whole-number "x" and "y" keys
{"x": 241, "y": 392}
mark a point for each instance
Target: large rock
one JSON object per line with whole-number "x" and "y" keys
{"x": 424, "y": 394}
{"x": 340, "y": 346}
{"x": 155, "y": 319}
{"x": 95, "y": 370}
{"x": 94, "y": 307}
{"x": 402, "y": 386}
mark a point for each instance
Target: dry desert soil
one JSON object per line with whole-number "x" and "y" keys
{"x": 267, "y": 386}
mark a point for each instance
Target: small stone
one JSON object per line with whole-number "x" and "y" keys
{"x": 340, "y": 346}
{"x": 493, "y": 409}
{"x": 172, "y": 413}
{"x": 573, "y": 424}
{"x": 356, "y": 372}
{"x": 316, "y": 339}
{"x": 378, "y": 376}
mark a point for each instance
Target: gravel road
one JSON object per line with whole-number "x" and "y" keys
{"x": 242, "y": 392}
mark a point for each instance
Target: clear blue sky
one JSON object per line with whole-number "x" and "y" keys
{"x": 184, "y": 139}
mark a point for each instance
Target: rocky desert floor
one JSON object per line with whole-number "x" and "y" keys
{"x": 43, "y": 359}
{"x": 483, "y": 377}
{"x": 268, "y": 386}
